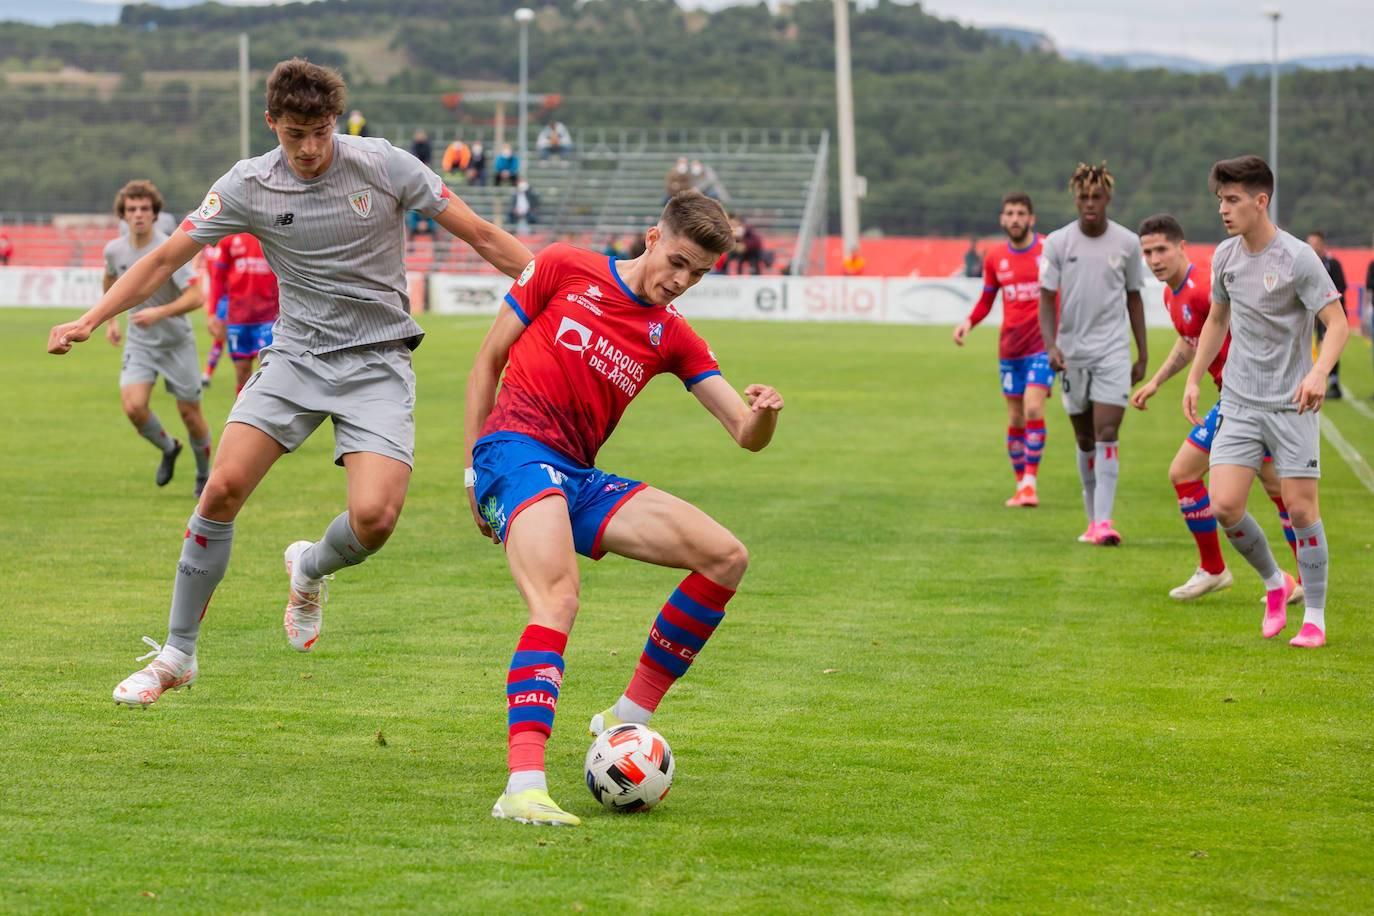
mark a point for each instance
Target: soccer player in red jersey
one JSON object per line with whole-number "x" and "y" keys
{"x": 1027, "y": 378}
{"x": 581, "y": 335}
{"x": 1188, "y": 297}
{"x": 240, "y": 274}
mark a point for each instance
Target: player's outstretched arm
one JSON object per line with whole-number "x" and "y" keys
{"x": 1179, "y": 357}
{"x": 750, "y": 421}
{"x": 496, "y": 246}
{"x": 1312, "y": 389}
{"x": 481, "y": 392}
{"x": 138, "y": 283}
{"x": 1209, "y": 343}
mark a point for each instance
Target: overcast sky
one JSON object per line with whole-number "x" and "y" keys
{"x": 1221, "y": 31}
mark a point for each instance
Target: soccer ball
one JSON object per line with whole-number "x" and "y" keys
{"x": 629, "y": 767}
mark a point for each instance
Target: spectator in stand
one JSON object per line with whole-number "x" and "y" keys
{"x": 455, "y": 161}
{"x": 554, "y": 140}
{"x": 1337, "y": 273}
{"x": 755, "y": 257}
{"x": 854, "y": 263}
{"x": 476, "y": 172}
{"x": 357, "y": 124}
{"x": 705, "y": 180}
{"x": 506, "y": 167}
{"x": 421, "y": 148}
{"x": 638, "y": 246}
{"x": 524, "y": 204}
{"x": 6, "y": 248}
{"x": 973, "y": 261}
{"x": 679, "y": 178}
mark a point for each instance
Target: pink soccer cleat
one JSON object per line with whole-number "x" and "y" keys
{"x": 1088, "y": 537}
{"x": 1309, "y": 637}
{"x": 1104, "y": 535}
{"x": 1275, "y": 607}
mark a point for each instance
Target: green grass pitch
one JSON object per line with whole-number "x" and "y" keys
{"x": 920, "y": 700}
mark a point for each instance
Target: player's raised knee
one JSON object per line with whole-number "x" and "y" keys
{"x": 374, "y": 522}
{"x": 727, "y": 561}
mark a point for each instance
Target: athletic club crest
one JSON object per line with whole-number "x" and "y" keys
{"x": 1114, "y": 260}
{"x": 655, "y": 332}
{"x": 1270, "y": 281}
{"x": 361, "y": 202}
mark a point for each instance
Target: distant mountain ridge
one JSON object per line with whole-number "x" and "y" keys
{"x": 1145, "y": 60}
{"x": 53, "y": 12}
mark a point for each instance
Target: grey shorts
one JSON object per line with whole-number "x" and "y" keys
{"x": 369, "y": 393}
{"x": 1105, "y": 383}
{"x": 179, "y": 367}
{"x": 1243, "y": 433}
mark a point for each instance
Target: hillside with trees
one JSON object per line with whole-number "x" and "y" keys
{"x": 948, "y": 117}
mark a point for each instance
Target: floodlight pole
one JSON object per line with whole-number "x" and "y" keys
{"x": 523, "y": 16}
{"x": 243, "y": 95}
{"x": 1273, "y": 15}
{"x": 844, "y": 104}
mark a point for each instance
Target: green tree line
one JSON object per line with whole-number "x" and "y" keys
{"x": 948, "y": 117}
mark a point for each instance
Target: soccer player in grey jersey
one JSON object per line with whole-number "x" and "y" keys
{"x": 160, "y": 340}
{"x": 1094, "y": 265}
{"x": 329, "y": 211}
{"x": 1266, "y": 288}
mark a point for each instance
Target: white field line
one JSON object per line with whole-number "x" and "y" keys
{"x": 1348, "y": 452}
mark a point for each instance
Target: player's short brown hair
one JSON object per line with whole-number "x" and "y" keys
{"x": 1091, "y": 176}
{"x": 1162, "y": 224}
{"x": 693, "y": 215}
{"x": 141, "y": 189}
{"x": 1018, "y": 197}
{"x": 306, "y": 90}
{"x": 1250, "y": 172}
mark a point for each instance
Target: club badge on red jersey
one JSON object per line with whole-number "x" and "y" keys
{"x": 655, "y": 332}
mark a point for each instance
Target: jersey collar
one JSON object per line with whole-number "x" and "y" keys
{"x": 621, "y": 283}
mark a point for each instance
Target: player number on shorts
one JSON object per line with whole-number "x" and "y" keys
{"x": 555, "y": 475}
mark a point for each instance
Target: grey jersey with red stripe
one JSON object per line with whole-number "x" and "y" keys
{"x": 336, "y": 241}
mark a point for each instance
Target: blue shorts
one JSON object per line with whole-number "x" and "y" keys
{"x": 515, "y": 471}
{"x": 1203, "y": 434}
{"x": 1025, "y": 372}
{"x": 246, "y": 340}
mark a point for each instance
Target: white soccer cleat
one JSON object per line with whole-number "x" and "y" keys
{"x": 304, "y": 606}
{"x": 1202, "y": 583}
{"x": 142, "y": 688}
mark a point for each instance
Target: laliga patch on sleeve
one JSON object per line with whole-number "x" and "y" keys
{"x": 210, "y": 207}
{"x": 525, "y": 274}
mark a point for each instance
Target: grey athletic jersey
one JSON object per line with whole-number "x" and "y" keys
{"x": 336, "y": 242}
{"x": 120, "y": 255}
{"x": 1092, "y": 276}
{"x": 1274, "y": 296}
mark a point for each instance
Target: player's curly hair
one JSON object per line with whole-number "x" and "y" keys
{"x": 1091, "y": 176}
{"x": 140, "y": 189}
{"x": 305, "y": 90}
{"x": 702, "y": 219}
